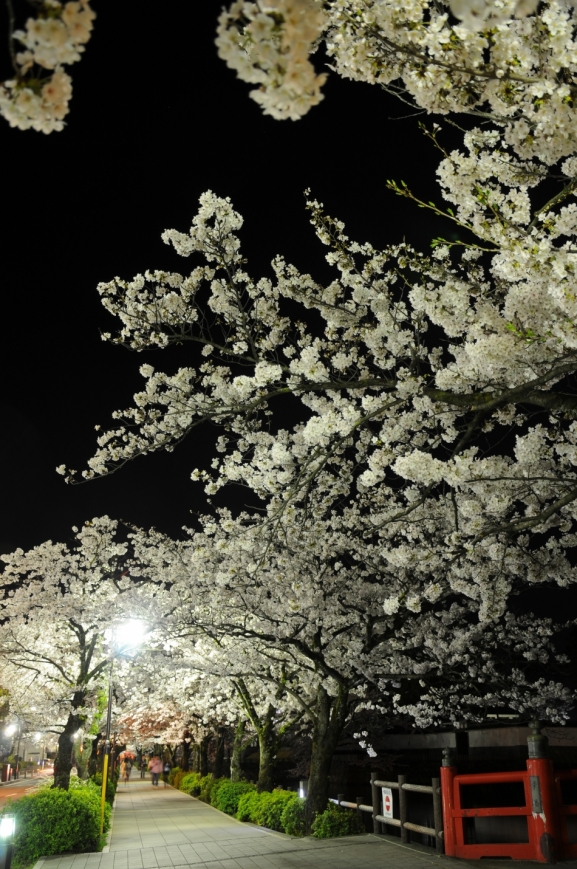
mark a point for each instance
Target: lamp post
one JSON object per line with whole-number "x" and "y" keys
{"x": 124, "y": 641}
{"x": 10, "y": 732}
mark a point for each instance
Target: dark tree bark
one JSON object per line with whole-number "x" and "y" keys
{"x": 63, "y": 762}
{"x": 236, "y": 773}
{"x": 186, "y": 747}
{"x": 330, "y": 719}
{"x": 219, "y": 756}
{"x": 267, "y": 746}
{"x": 82, "y": 755}
{"x": 203, "y": 754}
{"x": 267, "y": 738}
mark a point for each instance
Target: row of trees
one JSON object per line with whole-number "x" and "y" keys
{"x": 260, "y": 633}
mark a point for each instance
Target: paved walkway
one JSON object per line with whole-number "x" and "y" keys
{"x": 158, "y": 827}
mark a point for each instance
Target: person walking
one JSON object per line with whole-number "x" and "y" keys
{"x": 155, "y": 766}
{"x": 166, "y": 773}
{"x": 143, "y": 767}
{"x": 126, "y": 769}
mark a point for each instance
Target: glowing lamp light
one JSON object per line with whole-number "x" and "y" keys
{"x": 10, "y": 730}
{"x": 127, "y": 636}
{"x": 7, "y": 826}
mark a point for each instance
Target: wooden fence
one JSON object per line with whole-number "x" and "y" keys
{"x": 404, "y": 789}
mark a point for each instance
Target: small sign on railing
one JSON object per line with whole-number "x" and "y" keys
{"x": 387, "y": 802}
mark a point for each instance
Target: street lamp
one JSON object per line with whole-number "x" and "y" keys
{"x": 7, "y": 829}
{"x": 124, "y": 640}
{"x": 10, "y": 731}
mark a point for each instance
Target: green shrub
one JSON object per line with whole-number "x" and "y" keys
{"x": 177, "y": 778}
{"x": 96, "y": 779}
{"x": 174, "y": 772}
{"x": 228, "y": 794}
{"x": 265, "y": 809}
{"x": 52, "y": 821}
{"x": 336, "y": 821}
{"x": 293, "y": 817}
{"x": 217, "y": 784}
{"x": 206, "y": 785}
{"x": 247, "y": 805}
{"x": 269, "y": 811}
{"x": 190, "y": 783}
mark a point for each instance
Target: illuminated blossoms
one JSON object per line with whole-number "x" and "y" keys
{"x": 53, "y": 40}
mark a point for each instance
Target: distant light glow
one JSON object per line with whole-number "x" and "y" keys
{"x": 10, "y": 730}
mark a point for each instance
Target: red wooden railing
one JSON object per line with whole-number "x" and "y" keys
{"x": 544, "y": 809}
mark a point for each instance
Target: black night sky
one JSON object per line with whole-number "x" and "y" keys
{"x": 156, "y": 119}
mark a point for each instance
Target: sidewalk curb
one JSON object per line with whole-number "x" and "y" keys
{"x": 106, "y": 848}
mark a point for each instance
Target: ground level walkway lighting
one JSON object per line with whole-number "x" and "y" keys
{"x": 7, "y": 830}
{"x": 124, "y": 640}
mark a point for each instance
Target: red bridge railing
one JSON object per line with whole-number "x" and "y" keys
{"x": 546, "y": 814}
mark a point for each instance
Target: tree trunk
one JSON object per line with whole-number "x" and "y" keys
{"x": 203, "y": 754}
{"x": 63, "y": 762}
{"x": 237, "y": 746}
{"x": 267, "y": 746}
{"x": 82, "y": 754}
{"x": 186, "y": 746}
{"x": 219, "y": 756}
{"x": 330, "y": 720}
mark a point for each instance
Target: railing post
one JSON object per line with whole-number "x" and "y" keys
{"x": 448, "y": 773}
{"x": 544, "y": 807}
{"x": 403, "y": 810}
{"x": 376, "y": 803}
{"x": 359, "y": 801}
{"x": 437, "y": 814}
{"x": 340, "y": 798}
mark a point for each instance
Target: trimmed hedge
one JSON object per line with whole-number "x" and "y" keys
{"x": 209, "y": 785}
{"x": 266, "y": 809}
{"x": 53, "y": 821}
{"x": 293, "y": 817}
{"x": 277, "y": 810}
{"x": 270, "y": 809}
{"x": 227, "y": 796}
{"x": 175, "y": 776}
{"x": 247, "y": 805}
{"x": 189, "y": 783}
{"x": 336, "y": 821}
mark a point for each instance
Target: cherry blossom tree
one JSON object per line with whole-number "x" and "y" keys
{"x": 57, "y": 604}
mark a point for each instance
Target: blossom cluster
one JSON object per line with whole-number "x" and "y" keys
{"x": 54, "y": 39}
{"x": 396, "y": 441}
{"x": 268, "y": 44}
{"x": 518, "y": 70}
{"x": 512, "y": 61}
